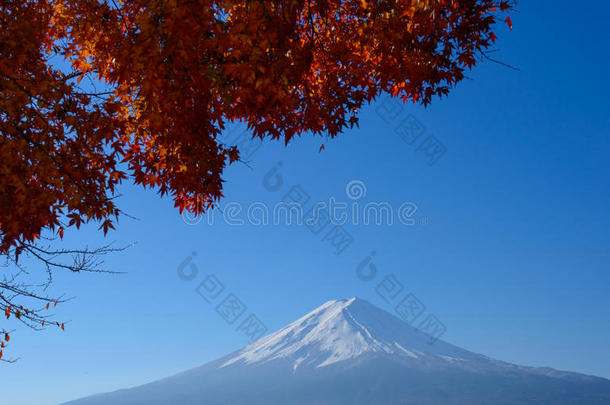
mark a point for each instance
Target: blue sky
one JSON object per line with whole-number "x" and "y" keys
{"x": 509, "y": 250}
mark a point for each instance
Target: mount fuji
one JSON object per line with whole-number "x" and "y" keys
{"x": 349, "y": 352}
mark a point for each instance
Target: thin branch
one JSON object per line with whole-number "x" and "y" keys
{"x": 486, "y": 56}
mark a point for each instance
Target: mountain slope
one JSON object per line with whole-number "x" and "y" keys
{"x": 341, "y": 330}
{"x": 351, "y": 352}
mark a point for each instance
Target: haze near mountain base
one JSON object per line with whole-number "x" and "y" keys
{"x": 349, "y": 352}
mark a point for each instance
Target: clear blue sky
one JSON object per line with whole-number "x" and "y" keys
{"x": 513, "y": 257}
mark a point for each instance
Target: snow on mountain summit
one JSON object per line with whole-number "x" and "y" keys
{"x": 349, "y": 352}
{"x": 345, "y": 329}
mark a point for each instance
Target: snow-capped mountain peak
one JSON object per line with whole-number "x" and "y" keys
{"x": 349, "y": 352}
{"x": 340, "y": 330}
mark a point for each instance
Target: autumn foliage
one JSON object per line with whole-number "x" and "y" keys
{"x": 172, "y": 74}
{"x": 95, "y": 92}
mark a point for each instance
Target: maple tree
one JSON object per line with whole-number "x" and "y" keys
{"x": 173, "y": 73}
